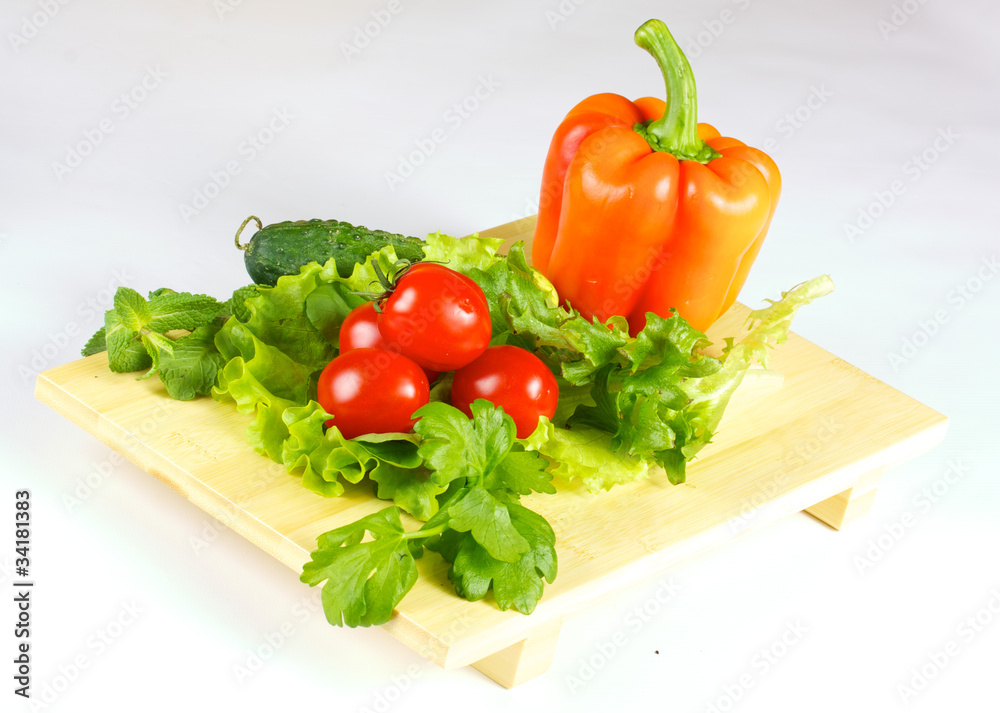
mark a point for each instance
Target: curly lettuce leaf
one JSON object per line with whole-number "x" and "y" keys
{"x": 767, "y": 328}
{"x": 279, "y": 316}
{"x": 524, "y": 303}
{"x": 662, "y": 402}
{"x": 325, "y": 460}
{"x": 584, "y": 454}
{"x": 462, "y": 254}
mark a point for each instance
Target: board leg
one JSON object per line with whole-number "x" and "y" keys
{"x": 524, "y": 660}
{"x": 850, "y": 504}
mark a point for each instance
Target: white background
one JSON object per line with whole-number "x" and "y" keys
{"x": 844, "y": 95}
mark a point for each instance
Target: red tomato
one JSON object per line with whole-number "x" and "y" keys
{"x": 372, "y": 391}
{"x": 512, "y": 378}
{"x": 438, "y": 317}
{"x": 360, "y": 330}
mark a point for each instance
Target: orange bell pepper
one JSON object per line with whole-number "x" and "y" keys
{"x": 643, "y": 209}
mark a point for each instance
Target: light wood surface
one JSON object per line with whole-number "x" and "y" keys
{"x": 819, "y": 443}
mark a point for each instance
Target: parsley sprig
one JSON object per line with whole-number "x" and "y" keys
{"x": 490, "y": 539}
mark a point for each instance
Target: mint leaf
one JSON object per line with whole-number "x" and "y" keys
{"x": 192, "y": 366}
{"x": 364, "y": 580}
{"x": 181, "y": 310}
{"x": 134, "y": 338}
{"x": 95, "y": 345}
{"x": 131, "y": 308}
{"x": 156, "y": 342}
{"x": 125, "y": 352}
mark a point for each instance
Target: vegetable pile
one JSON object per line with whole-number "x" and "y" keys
{"x": 626, "y": 405}
{"x": 467, "y": 383}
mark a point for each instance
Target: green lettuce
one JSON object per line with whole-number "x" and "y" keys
{"x": 661, "y": 402}
{"x": 274, "y": 349}
{"x": 628, "y": 406}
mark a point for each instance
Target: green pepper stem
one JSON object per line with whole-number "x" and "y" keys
{"x": 676, "y": 132}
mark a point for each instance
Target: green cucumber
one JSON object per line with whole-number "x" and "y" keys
{"x": 283, "y": 248}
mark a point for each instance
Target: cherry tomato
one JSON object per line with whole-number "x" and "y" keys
{"x": 512, "y": 378}
{"x": 360, "y": 330}
{"x": 438, "y": 317}
{"x": 372, "y": 391}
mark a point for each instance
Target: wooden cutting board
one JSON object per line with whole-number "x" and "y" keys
{"x": 818, "y": 443}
